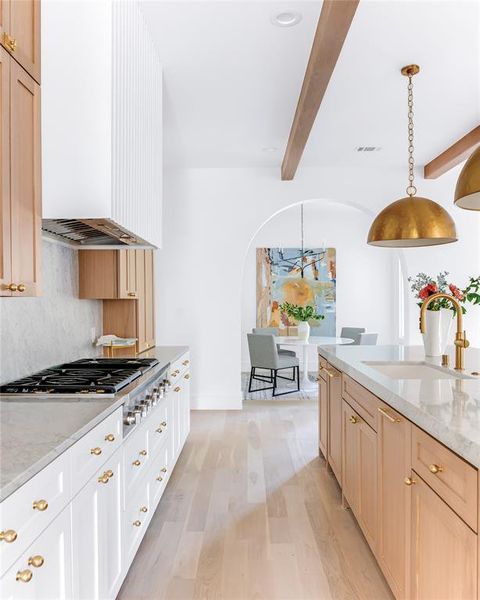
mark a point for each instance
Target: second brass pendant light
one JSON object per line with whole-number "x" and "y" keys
{"x": 412, "y": 221}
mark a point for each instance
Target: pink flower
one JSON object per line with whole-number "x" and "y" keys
{"x": 427, "y": 291}
{"x": 456, "y": 292}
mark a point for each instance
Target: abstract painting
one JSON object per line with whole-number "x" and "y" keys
{"x": 302, "y": 278}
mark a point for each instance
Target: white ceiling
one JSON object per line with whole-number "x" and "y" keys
{"x": 232, "y": 80}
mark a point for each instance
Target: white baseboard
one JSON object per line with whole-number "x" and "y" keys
{"x": 227, "y": 401}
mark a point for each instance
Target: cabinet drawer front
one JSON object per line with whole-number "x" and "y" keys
{"x": 33, "y": 507}
{"x": 454, "y": 480}
{"x": 136, "y": 456}
{"x": 322, "y": 365}
{"x": 95, "y": 448}
{"x": 178, "y": 368}
{"x": 363, "y": 401}
{"x": 159, "y": 426}
{"x": 136, "y": 517}
{"x": 159, "y": 474}
{"x": 45, "y": 566}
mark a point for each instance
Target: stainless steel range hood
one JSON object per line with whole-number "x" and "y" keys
{"x": 92, "y": 233}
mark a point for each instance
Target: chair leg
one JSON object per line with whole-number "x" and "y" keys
{"x": 274, "y": 382}
{"x": 252, "y": 371}
{"x": 298, "y": 378}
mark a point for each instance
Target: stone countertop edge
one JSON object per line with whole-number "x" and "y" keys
{"x": 165, "y": 354}
{"x": 457, "y": 441}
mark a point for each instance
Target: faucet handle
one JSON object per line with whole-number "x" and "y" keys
{"x": 462, "y": 341}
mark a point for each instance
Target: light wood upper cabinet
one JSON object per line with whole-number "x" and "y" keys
{"x": 20, "y": 33}
{"x": 394, "y": 460}
{"x": 108, "y": 274}
{"x": 21, "y": 182}
{"x": 5, "y": 257}
{"x": 444, "y": 550}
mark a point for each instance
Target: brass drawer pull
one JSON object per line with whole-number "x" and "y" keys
{"x": 409, "y": 481}
{"x": 13, "y": 287}
{"x": 388, "y": 416}
{"x": 353, "y": 419}
{"x": 21, "y": 287}
{"x": 187, "y": 376}
{"x": 143, "y": 453}
{"x": 110, "y": 437}
{"x": 177, "y": 389}
{"x": 159, "y": 430}
{"x": 36, "y": 561}
{"x": 159, "y": 478}
{"x": 97, "y": 451}
{"x": 137, "y": 523}
{"x": 164, "y": 470}
{"x": 109, "y": 473}
{"x": 8, "y": 536}
{"x": 185, "y": 363}
{"x": 435, "y": 469}
{"x": 163, "y": 423}
{"x": 104, "y": 478}
{"x": 24, "y": 576}
{"x": 144, "y": 509}
{"x": 40, "y": 505}
{"x": 136, "y": 463}
{"x": 132, "y": 294}
{"x": 10, "y": 42}
{"x": 329, "y": 373}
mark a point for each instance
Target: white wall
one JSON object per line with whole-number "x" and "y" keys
{"x": 212, "y": 216}
{"x": 359, "y": 268}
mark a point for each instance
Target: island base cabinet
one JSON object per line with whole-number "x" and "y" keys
{"x": 323, "y": 416}
{"x": 394, "y": 497}
{"x": 96, "y": 534}
{"x": 444, "y": 549}
{"x": 360, "y": 471}
{"x": 52, "y": 577}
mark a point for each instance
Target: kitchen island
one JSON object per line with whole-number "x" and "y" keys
{"x": 401, "y": 435}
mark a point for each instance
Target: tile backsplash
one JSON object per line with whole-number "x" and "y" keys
{"x": 56, "y": 327}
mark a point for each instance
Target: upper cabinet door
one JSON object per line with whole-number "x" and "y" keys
{"x": 22, "y": 38}
{"x": 25, "y": 169}
{"x": 5, "y": 259}
{"x": 127, "y": 274}
{"x": 4, "y": 19}
{"x": 149, "y": 299}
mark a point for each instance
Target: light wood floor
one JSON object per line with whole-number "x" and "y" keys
{"x": 251, "y": 512}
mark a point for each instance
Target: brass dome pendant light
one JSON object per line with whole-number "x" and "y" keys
{"x": 467, "y": 191}
{"x": 412, "y": 221}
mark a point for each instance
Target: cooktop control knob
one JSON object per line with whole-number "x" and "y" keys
{"x": 129, "y": 419}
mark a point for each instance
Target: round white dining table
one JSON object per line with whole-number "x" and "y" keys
{"x": 322, "y": 340}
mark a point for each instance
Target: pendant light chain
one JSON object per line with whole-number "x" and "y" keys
{"x": 411, "y": 189}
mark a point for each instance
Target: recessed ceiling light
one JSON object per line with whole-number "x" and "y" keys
{"x": 269, "y": 149}
{"x": 286, "y": 18}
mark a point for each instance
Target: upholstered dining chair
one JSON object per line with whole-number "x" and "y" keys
{"x": 264, "y": 355}
{"x": 368, "y": 339}
{"x": 353, "y": 333}
{"x": 273, "y": 331}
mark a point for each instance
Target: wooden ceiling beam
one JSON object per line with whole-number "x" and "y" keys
{"x": 453, "y": 156}
{"x": 333, "y": 24}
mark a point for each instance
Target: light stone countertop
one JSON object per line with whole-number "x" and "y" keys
{"x": 35, "y": 429}
{"x": 447, "y": 409}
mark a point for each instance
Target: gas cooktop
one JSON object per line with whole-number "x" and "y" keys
{"x": 84, "y": 376}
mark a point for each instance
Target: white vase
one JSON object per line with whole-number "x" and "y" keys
{"x": 438, "y": 324}
{"x": 303, "y": 330}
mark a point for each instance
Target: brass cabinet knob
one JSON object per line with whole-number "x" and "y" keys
{"x": 36, "y": 561}
{"x": 159, "y": 478}
{"x": 8, "y": 536}
{"x": 40, "y": 505}
{"x": 143, "y": 453}
{"x": 187, "y": 376}
{"x": 97, "y": 451}
{"x": 21, "y": 287}
{"x": 435, "y": 469}
{"x": 10, "y": 42}
{"x": 177, "y": 389}
{"x": 13, "y": 287}
{"x": 136, "y": 463}
{"x": 163, "y": 423}
{"x": 109, "y": 473}
{"x": 174, "y": 374}
{"x": 143, "y": 509}
{"x": 137, "y": 523}
{"x": 25, "y": 575}
{"x": 110, "y": 437}
{"x": 185, "y": 363}
{"x": 103, "y": 479}
{"x": 409, "y": 481}
{"x": 164, "y": 470}
{"x": 353, "y": 419}
{"x": 159, "y": 430}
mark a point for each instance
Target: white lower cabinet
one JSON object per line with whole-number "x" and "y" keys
{"x": 96, "y": 533}
{"x": 73, "y": 532}
{"x": 44, "y": 571}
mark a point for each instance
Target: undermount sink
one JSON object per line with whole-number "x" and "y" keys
{"x": 413, "y": 370}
